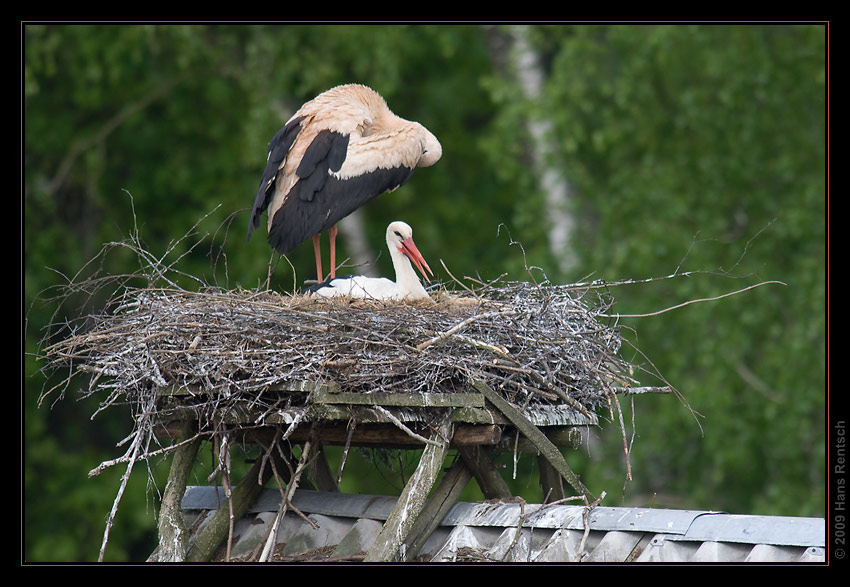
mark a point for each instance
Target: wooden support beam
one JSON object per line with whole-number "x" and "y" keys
{"x": 417, "y": 400}
{"x": 321, "y": 474}
{"x": 489, "y": 479}
{"x": 215, "y": 530}
{"x": 173, "y": 537}
{"x": 533, "y": 433}
{"x": 390, "y": 544}
{"x": 383, "y": 435}
{"x": 441, "y": 501}
{"x": 551, "y": 481}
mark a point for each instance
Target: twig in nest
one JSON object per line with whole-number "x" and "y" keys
{"x": 460, "y": 326}
{"x": 401, "y": 426}
{"x": 351, "y": 426}
{"x": 626, "y": 451}
{"x": 136, "y": 449}
{"x": 455, "y": 279}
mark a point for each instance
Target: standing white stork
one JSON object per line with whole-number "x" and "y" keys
{"x": 406, "y": 285}
{"x": 340, "y": 150}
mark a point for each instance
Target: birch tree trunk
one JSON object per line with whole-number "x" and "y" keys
{"x": 522, "y": 63}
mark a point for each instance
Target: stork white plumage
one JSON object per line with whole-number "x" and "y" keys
{"x": 340, "y": 150}
{"x": 406, "y": 286}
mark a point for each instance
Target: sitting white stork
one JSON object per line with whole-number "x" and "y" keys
{"x": 340, "y": 150}
{"x": 406, "y": 285}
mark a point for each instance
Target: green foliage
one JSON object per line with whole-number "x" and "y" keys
{"x": 689, "y": 148}
{"x": 713, "y": 135}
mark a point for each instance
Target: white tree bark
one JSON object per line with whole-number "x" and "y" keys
{"x": 556, "y": 188}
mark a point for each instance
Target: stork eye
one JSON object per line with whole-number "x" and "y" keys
{"x": 397, "y": 233}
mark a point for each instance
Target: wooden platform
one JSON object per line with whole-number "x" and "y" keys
{"x": 475, "y": 422}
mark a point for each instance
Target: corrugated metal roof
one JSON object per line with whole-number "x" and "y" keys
{"x": 345, "y": 525}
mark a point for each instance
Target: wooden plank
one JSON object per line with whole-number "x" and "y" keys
{"x": 559, "y": 415}
{"x": 388, "y": 435}
{"x": 328, "y": 402}
{"x": 392, "y": 399}
{"x": 563, "y": 436}
{"x": 376, "y": 436}
{"x": 296, "y": 386}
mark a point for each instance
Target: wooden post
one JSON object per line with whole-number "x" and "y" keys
{"x": 389, "y": 546}
{"x": 321, "y": 474}
{"x": 492, "y": 484}
{"x": 173, "y": 538}
{"x": 215, "y": 530}
{"x": 550, "y": 481}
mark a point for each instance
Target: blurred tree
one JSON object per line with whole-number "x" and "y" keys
{"x": 708, "y": 143}
{"x": 702, "y": 143}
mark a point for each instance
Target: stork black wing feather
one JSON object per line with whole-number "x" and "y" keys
{"x": 326, "y": 153}
{"x": 278, "y": 148}
{"x": 299, "y": 219}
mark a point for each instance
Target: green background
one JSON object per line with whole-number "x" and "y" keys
{"x": 701, "y": 148}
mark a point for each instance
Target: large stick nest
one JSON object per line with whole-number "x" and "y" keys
{"x": 536, "y": 344}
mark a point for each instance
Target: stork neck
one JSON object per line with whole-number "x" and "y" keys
{"x": 405, "y": 276}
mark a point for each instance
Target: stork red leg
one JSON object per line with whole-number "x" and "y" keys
{"x": 317, "y": 249}
{"x": 332, "y": 234}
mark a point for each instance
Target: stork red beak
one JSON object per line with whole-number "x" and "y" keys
{"x": 408, "y": 247}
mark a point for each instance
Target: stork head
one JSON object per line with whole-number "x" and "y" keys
{"x": 400, "y": 238}
{"x": 432, "y": 150}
